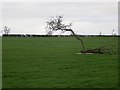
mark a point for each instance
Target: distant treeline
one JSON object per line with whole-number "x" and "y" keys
{"x": 32, "y": 35}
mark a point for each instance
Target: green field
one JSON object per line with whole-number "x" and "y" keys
{"x": 52, "y": 62}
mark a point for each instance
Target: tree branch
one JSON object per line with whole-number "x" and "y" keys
{"x": 76, "y": 37}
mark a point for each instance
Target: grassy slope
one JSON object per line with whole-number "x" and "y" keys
{"x": 53, "y": 62}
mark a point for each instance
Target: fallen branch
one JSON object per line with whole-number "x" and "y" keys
{"x": 100, "y": 50}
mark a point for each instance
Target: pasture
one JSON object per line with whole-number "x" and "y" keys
{"x": 52, "y": 62}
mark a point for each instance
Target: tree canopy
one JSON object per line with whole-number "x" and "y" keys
{"x": 56, "y": 23}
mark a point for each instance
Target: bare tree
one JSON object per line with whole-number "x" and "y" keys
{"x": 113, "y": 32}
{"x": 6, "y": 30}
{"x": 56, "y": 23}
{"x": 100, "y": 33}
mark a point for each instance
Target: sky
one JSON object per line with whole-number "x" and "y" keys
{"x": 87, "y": 18}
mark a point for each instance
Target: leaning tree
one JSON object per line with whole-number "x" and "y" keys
{"x": 56, "y": 23}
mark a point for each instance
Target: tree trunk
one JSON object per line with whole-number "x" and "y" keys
{"x": 83, "y": 47}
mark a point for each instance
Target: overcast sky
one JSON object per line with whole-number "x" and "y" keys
{"x": 87, "y": 17}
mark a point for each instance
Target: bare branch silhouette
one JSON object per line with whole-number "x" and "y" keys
{"x": 6, "y": 30}
{"x": 56, "y": 23}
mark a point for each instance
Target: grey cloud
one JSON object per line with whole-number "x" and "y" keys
{"x": 70, "y": 10}
{"x": 76, "y": 12}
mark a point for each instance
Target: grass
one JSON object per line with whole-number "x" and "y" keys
{"x": 53, "y": 63}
